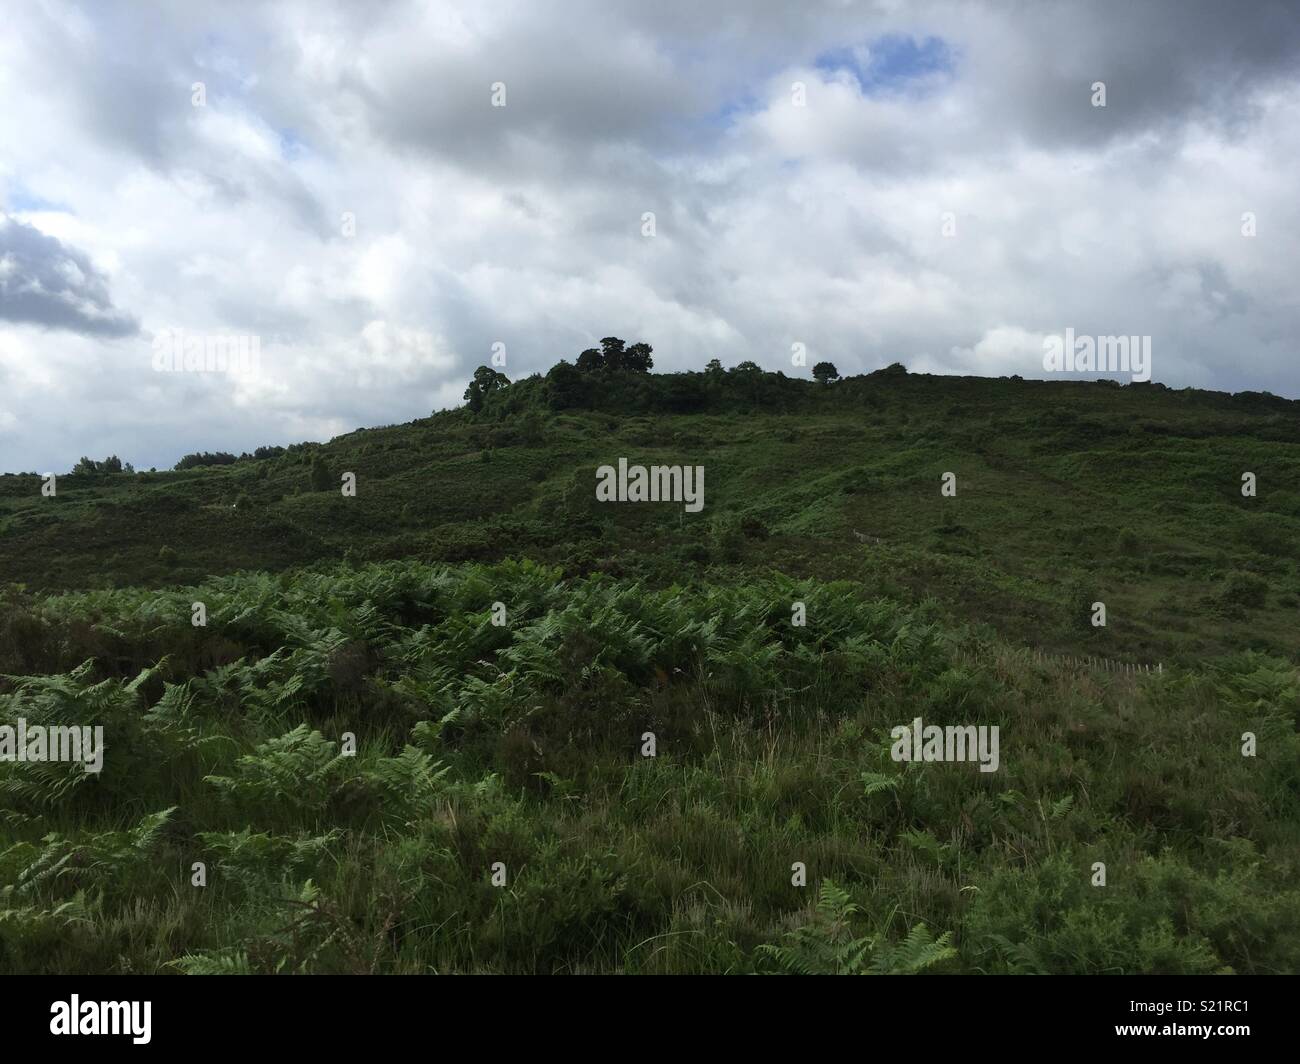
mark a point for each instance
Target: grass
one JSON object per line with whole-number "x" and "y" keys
{"x": 373, "y": 776}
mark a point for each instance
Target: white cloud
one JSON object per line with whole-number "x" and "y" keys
{"x": 776, "y": 224}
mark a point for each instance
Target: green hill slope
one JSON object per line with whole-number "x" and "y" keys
{"x": 473, "y": 719}
{"x": 1066, "y": 493}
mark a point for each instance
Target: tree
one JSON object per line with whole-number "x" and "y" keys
{"x": 490, "y": 380}
{"x": 486, "y": 381}
{"x": 894, "y": 369}
{"x": 591, "y": 360}
{"x": 321, "y": 479}
{"x": 637, "y": 358}
{"x": 612, "y": 347}
{"x": 683, "y": 392}
{"x": 825, "y": 372}
{"x": 531, "y": 427}
{"x": 565, "y": 387}
{"x": 112, "y": 464}
{"x": 203, "y": 458}
{"x": 713, "y": 368}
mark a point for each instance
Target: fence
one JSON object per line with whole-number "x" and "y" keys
{"x": 1131, "y": 668}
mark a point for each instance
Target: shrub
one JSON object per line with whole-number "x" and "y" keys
{"x": 728, "y": 540}
{"x": 1245, "y": 590}
{"x": 203, "y": 458}
{"x": 320, "y": 477}
{"x": 1077, "y": 600}
{"x": 112, "y": 464}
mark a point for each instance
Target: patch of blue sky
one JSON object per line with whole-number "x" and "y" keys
{"x": 892, "y": 64}
{"x": 292, "y": 146}
{"x": 895, "y": 63}
{"x": 18, "y": 198}
{"x": 734, "y": 109}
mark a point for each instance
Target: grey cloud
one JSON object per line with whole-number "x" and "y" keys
{"x": 132, "y": 88}
{"x": 522, "y": 225}
{"x": 44, "y": 282}
{"x": 1162, "y": 63}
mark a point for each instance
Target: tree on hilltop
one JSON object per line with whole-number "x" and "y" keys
{"x": 637, "y": 358}
{"x": 486, "y": 381}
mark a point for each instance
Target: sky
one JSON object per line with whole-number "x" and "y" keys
{"x": 928, "y": 183}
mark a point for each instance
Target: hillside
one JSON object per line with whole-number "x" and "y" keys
{"x": 499, "y": 645}
{"x": 1066, "y": 493}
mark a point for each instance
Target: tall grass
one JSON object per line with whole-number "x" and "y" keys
{"x": 480, "y": 746}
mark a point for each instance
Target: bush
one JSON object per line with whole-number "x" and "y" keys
{"x": 1127, "y": 544}
{"x": 1245, "y": 590}
{"x": 203, "y": 458}
{"x": 321, "y": 479}
{"x": 112, "y": 464}
{"x": 532, "y": 428}
{"x": 1077, "y": 600}
{"x": 728, "y": 540}
{"x": 1270, "y": 534}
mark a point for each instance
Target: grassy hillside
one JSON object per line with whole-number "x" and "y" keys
{"x": 1067, "y": 493}
{"x": 518, "y": 749}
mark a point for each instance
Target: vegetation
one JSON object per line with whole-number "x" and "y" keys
{"x": 456, "y": 679}
{"x": 112, "y": 464}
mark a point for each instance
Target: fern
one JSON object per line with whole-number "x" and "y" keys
{"x": 918, "y": 952}
{"x": 297, "y": 769}
{"x": 826, "y": 945}
{"x": 219, "y": 962}
{"x": 878, "y": 782}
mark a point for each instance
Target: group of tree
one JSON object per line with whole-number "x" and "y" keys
{"x": 613, "y": 354}
{"x": 111, "y": 464}
{"x": 486, "y": 381}
{"x": 205, "y": 458}
{"x": 616, "y": 377}
{"x": 320, "y": 477}
{"x": 221, "y": 458}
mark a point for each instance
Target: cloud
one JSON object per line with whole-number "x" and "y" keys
{"x": 470, "y": 225}
{"x": 46, "y": 283}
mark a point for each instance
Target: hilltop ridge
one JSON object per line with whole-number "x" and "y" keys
{"x": 1066, "y": 492}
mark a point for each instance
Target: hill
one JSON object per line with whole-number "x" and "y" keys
{"x": 473, "y": 719}
{"x": 1066, "y": 493}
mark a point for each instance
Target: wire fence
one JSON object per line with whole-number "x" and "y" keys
{"x": 1110, "y": 665}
